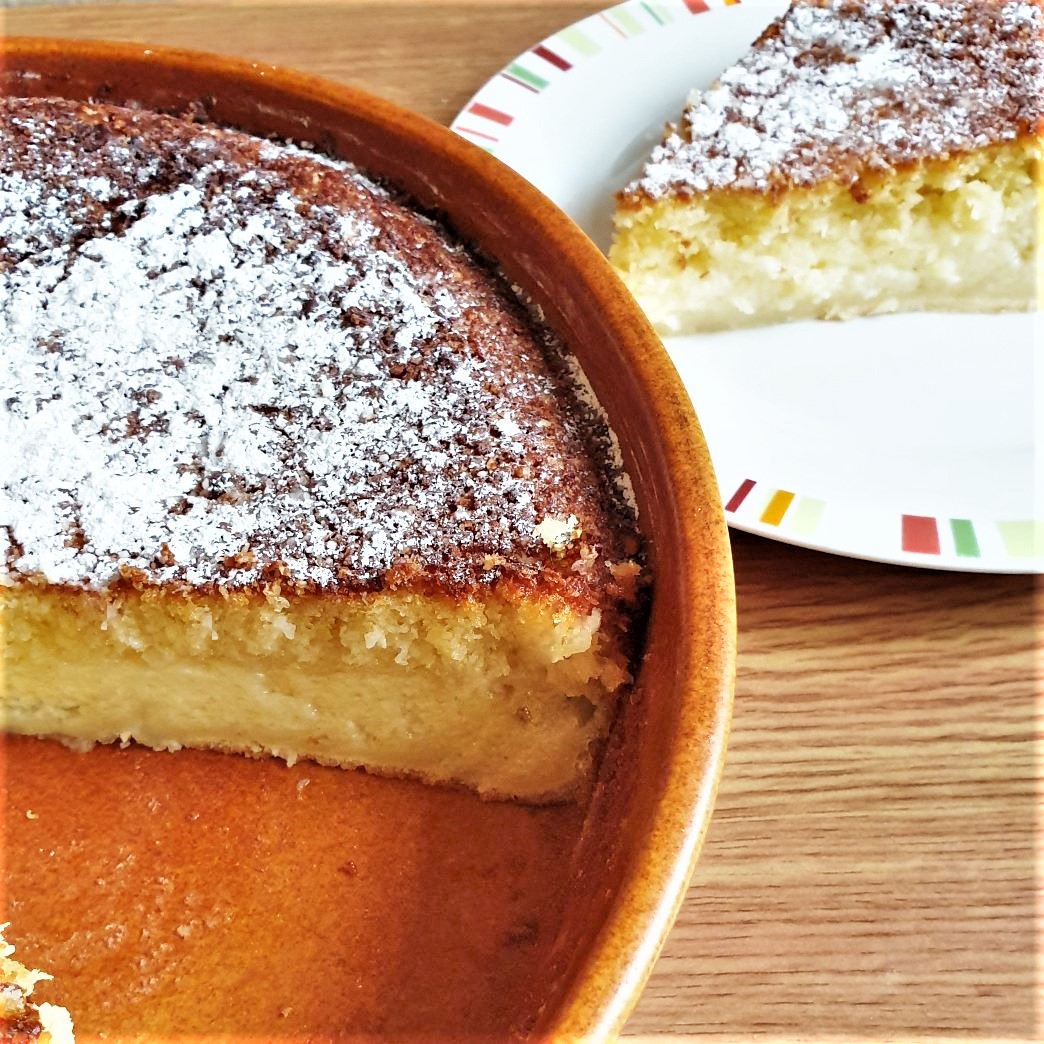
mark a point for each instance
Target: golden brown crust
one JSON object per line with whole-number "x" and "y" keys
{"x": 842, "y": 90}
{"x": 862, "y": 184}
{"x": 284, "y": 374}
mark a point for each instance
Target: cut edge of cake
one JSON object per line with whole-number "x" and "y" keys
{"x": 737, "y": 220}
{"x": 510, "y": 695}
{"x": 938, "y": 237}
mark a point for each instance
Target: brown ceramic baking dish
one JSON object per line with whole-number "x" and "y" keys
{"x": 189, "y": 895}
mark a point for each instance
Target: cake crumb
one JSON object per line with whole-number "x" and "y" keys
{"x": 627, "y": 575}
{"x": 557, "y": 534}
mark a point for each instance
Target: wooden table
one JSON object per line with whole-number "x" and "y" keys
{"x": 870, "y": 870}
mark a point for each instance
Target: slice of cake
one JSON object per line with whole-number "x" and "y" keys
{"x": 22, "y": 1021}
{"x": 865, "y": 156}
{"x": 288, "y": 471}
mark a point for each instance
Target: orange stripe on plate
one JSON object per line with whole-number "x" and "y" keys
{"x": 921, "y": 535}
{"x": 777, "y": 507}
{"x": 487, "y": 112}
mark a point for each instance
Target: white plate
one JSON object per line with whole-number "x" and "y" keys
{"x": 906, "y": 439}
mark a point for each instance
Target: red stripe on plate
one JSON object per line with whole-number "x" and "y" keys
{"x": 921, "y": 535}
{"x": 549, "y": 56}
{"x": 476, "y": 133}
{"x": 740, "y": 495}
{"x": 697, "y": 6}
{"x": 489, "y": 113}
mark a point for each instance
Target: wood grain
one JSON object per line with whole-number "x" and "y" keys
{"x": 870, "y": 868}
{"x": 428, "y": 56}
{"x": 870, "y": 872}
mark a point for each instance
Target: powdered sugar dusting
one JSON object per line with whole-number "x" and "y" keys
{"x": 839, "y": 86}
{"x": 234, "y": 357}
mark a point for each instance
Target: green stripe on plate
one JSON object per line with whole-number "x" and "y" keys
{"x": 656, "y": 12}
{"x": 1023, "y": 539}
{"x": 525, "y": 75}
{"x": 965, "y": 542}
{"x": 579, "y": 41}
{"x": 626, "y": 20}
{"x": 805, "y": 516}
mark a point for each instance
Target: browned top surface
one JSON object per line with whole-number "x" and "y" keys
{"x": 842, "y": 89}
{"x": 232, "y": 363}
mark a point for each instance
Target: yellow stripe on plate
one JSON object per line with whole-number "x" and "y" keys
{"x": 777, "y": 507}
